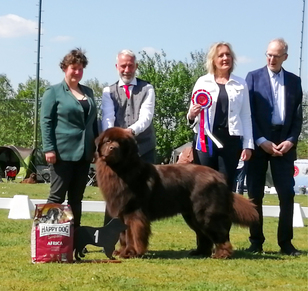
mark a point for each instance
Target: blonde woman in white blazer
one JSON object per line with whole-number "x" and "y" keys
{"x": 219, "y": 114}
{"x": 226, "y": 122}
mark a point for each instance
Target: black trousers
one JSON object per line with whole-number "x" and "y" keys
{"x": 224, "y": 160}
{"x": 148, "y": 157}
{"x": 71, "y": 178}
{"x": 282, "y": 169}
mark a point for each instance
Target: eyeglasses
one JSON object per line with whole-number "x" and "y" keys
{"x": 276, "y": 57}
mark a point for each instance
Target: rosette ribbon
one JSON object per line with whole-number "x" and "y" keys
{"x": 204, "y": 98}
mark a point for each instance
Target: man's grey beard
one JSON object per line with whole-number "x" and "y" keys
{"x": 125, "y": 79}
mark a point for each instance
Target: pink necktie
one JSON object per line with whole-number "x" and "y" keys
{"x": 126, "y": 90}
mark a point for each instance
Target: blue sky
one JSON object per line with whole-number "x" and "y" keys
{"x": 103, "y": 28}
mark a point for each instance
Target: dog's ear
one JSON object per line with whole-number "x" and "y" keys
{"x": 98, "y": 144}
{"x": 130, "y": 144}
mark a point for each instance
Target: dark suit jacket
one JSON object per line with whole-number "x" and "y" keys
{"x": 63, "y": 127}
{"x": 261, "y": 103}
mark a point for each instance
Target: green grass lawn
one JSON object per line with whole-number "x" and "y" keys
{"x": 167, "y": 265}
{"x": 40, "y": 191}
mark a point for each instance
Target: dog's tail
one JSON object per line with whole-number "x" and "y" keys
{"x": 245, "y": 212}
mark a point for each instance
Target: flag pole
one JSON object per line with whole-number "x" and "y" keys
{"x": 301, "y": 44}
{"x": 35, "y": 140}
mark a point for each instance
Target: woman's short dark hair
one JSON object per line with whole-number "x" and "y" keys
{"x": 76, "y": 56}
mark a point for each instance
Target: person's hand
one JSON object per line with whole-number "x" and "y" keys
{"x": 194, "y": 111}
{"x": 285, "y": 146}
{"x": 50, "y": 157}
{"x": 271, "y": 148}
{"x": 246, "y": 154}
{"x": 129, "y": 130}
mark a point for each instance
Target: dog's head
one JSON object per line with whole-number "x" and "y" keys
{"x": 54, "y": 215}
{"x": 115, "y": 145}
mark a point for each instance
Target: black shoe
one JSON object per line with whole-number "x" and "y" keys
{"x": 290, "y": 251}
{"x": 255, "y": 249}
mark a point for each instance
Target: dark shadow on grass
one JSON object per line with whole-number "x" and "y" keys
{"x": 238, "y": 254}
{"x": 170, "y": 254}
{"x": 242, "y": 254}
{"x": 184, "y": 254}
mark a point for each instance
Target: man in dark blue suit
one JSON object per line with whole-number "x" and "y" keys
{"x": 276, "y": 109}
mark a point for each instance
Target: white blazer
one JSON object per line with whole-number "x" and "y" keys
{"x": 239, "y": 117}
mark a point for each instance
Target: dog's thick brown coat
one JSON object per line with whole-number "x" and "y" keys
{"x": 139, "y": 192}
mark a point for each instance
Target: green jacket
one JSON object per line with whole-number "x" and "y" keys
{"x": 63, "y": 127}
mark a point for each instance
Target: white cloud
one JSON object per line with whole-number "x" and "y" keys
{"x": 61, "y": 38}
{"x": 12, "y": 25}
{"x": 243, "y": 60}
{"x": 150, "y": 51}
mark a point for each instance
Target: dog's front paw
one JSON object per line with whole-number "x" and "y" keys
{"x": 129, "y": 254}
{"x": 223, "y": 251}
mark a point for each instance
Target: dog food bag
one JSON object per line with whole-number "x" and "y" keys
{"x": 52, "y": 235}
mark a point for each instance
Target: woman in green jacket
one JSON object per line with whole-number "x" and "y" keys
{"x": 69, "y": 128}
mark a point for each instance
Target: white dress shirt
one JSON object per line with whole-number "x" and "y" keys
{"x": 278, "y": 93}
{"x": 277, "y": 82}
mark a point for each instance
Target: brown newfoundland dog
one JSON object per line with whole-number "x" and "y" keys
{"x": 139, "y": 192}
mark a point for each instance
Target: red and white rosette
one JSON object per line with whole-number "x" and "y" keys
{"x": 204, "y": 98}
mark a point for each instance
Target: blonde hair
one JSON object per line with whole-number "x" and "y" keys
{"x": 212, "y": 53}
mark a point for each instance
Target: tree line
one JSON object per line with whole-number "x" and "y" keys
{"x": 173, "y": 82}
